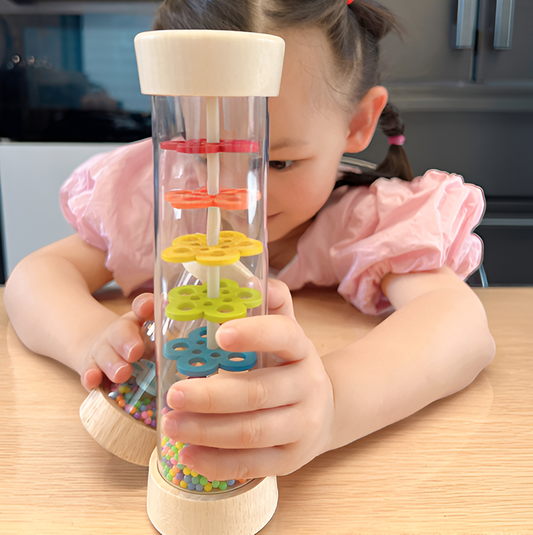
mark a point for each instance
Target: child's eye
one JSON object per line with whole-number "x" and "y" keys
{"x": 279, "y": 165}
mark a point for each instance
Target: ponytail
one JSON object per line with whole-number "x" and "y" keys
{"x": 396, "y": 162}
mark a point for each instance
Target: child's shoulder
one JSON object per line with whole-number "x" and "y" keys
{"x": 391, "y": 226}
{"x": 416, "y": 226}
{"x": 432, "y": 192}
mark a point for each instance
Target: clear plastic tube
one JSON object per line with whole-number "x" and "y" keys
{"x": 210, "y": 168}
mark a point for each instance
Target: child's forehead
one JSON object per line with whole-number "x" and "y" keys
{"x": 305, "y": 109}
{"x": 309, "y": 72}
{"x": 307, "y": 50}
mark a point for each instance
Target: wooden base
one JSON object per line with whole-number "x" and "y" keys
{"x": 115, "y": 430}
{"x": 243, "y": 511}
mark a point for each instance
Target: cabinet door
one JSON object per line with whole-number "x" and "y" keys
{"x": 427, "y": 52}
{"x": 502, "y": 60}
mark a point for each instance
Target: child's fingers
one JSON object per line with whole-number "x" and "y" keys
{"x": 279, "y": 299}
{"x": 143, "y": 306}
{"x": 92, "y": 376}
{"x": 259, "y": 429}
{"x": 220, "y": 464}
{"x": 121, "y": 343}
{"x": 260, "y": 389}
{"x": 107, "y": 359}
{"x": 272, "y": 334}
{"x": 124, "y": 337}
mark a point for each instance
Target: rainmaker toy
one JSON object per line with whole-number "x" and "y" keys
{"x": 210, "y": 135}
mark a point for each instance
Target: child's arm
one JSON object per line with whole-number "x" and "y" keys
{"x": 278, "y": 419}
{"x": 434, "y": 345}
{"x": 49, "y": 302}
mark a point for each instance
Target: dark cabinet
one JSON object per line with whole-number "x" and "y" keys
{"x": 462, "y": 78}
{"x": 424, "y": 53}
{"x": 460, "y": 55}
{"x": 505, "y": 37}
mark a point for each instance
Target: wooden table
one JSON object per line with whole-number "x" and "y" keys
{"x": 462, "y": 465}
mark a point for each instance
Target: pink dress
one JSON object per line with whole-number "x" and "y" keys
{"x": 359, "y": 236}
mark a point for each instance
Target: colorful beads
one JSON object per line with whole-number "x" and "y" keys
{"x": 190, "y": 302}
{"x": 194, "y": 359}
{"x": 145, "y": 407}
{"x": 193, "y": 247}
{"x": 184, "y": 477}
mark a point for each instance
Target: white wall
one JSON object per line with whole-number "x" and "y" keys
{"x": 30, "y": 176}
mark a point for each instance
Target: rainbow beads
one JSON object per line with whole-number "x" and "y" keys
{"x": 132, "y": 399}
{"x": 184, "y": 477}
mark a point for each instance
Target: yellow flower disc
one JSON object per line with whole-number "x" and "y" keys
{"x": 231, "y": 246}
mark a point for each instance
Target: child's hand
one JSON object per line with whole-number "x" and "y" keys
{"x": 121, "y": 343}
{"x": 269, "y": 421}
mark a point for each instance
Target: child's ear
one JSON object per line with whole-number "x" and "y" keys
{"x": 365, "y": 119}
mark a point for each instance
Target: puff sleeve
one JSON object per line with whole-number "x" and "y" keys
{"x": 392, "y": 226}
{"x": 109, "y": 202}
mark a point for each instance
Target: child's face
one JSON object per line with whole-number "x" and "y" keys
{"x": 308, "y": 135}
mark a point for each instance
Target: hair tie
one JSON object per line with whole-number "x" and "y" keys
{"x": 396, "y": 140}
{"x": 349, "y": 2}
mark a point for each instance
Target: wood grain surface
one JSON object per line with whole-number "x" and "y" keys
{"x": 461, "y": 465}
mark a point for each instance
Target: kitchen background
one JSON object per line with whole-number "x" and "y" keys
{"x": 461, "y": 74}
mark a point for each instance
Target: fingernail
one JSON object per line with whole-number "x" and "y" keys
{"x": 87, "y": 377}
{"x": 176, "y": 399}
{"x": 140, "y": 300}
{"x": 226, "y": 336}
{"x": 117, "y": 367}
{"x": 127, "y": 348}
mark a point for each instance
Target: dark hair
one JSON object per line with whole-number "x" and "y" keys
{"x": 353, "y": 33}
{"x": 396, "y": 162}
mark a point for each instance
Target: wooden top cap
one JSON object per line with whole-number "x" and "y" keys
{"x": 209, "y": 63}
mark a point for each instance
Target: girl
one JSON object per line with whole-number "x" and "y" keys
{"x": 395, "y": 244}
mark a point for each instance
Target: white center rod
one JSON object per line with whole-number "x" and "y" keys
{"x": 213, "y": 213}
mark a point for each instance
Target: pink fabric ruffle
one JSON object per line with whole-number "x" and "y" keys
{"x": 109, "y": 201}
{"x": 392, "y": 226}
